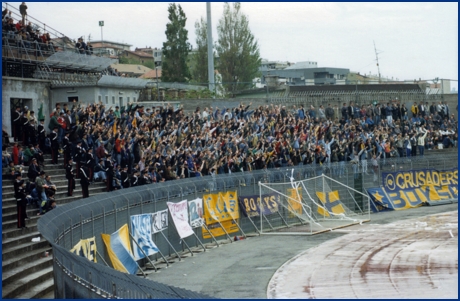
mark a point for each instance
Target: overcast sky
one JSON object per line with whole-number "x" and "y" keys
{"x": 414, "y": 40}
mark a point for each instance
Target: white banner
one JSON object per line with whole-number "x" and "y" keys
{"x": 179, "y": 214}
{"x": 141, "y": 231}
{"x": 195, "y": 211}
{"x": 160, "y": 221}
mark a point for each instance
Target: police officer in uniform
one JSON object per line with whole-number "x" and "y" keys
{"x": 54, "y": 146}
{"x": 17, "y": 123}
{"x": 90, "y": 163}
{"x": 125, "y": 177}
{"x": 135, "y": 178}
{"x": 21, "y": 202}
{"x": 109, "y": 172}
{"x": 84, "y": 181}
{"x": 70, "y": 175}
{"x": 25, "y": 127}
{"x": 67, "y": 147}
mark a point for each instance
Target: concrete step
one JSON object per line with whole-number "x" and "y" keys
{"x": 24, "y": 258}
{"x": 21, "y": 239}
{"x": 15, "y": 232}
{"x": 44, "y": 290}
{"x": 31, "y": 211}
{"x": 25, "y": 269}
{"x": 61, "y": 188}
{"x": 27, "y": 283}
{"x": 23, "y": 248}
{"x": 49, "y": 295}
{"x": 11, "y": 225}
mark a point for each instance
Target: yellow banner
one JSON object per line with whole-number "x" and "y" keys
{"x": 294, "y": 201}
{"x": 331, "y": 203}
{"x": 86, "y": 248}
{"x": 220, "y": 207}
{"x": 216, "y": 229}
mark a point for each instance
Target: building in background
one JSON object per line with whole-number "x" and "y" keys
{"x": 109, "y": 48}
{"x": 303, "y": 73}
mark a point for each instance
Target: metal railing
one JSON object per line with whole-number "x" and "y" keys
{"x": 63, "y": 227}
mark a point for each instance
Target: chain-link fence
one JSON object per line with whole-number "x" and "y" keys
{"x": 77, "y": 277}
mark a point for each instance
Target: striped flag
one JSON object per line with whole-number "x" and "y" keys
{"x": 119, "y": 249}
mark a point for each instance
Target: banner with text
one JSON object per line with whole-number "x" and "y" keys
{"x": 220, "y": 207}
{"x": 409, "y": 189}
{"x": 179, "y": 215}
{"x": 413, "y": 179}
{"x": 86, "y": 248}
{"x": 251, "y": 205}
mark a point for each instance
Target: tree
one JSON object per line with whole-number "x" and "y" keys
{"x": 176, "y": 48}
{"x": 200, "y": 58}
{"x": 239, "y": 55}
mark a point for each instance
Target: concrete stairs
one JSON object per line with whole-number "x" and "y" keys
{"x": 26, "y": 272}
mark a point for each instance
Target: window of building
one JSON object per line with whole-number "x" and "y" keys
{"x": 120, "y": 99}
{"x": 99, "y": 98}
{"x": 113, "y": 100}
{"x": 134, "y": 99}
{"x": 128, "y": 99}
{"x": 106, "y": 99}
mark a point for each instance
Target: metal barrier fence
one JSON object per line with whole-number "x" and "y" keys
{"x": 63, "y": 227}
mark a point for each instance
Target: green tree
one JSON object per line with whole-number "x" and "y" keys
{"x": 239, "y": 55}
{"x": 176, "y": 48}
{"x": 200, "y": 58}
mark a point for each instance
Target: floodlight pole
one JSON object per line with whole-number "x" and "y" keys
{"x": 210, "y": 49}
{"x": 101, "y": 24}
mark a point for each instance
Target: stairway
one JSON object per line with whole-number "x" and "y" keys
{"x": 26, "y": 272}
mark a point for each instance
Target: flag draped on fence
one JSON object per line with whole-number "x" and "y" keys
{"x": 119, "y": 250}
{"x": 141, "y": 231}
{"x": 179, "y": 214}
{"x": 86, "y": 248}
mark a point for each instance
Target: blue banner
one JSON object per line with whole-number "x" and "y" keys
{"x": 409, "y": 189}
{"x": 141, "y": 231}
{"x": 251, "y": 204}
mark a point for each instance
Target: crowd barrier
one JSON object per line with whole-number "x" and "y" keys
{"x": 64, "y": 227}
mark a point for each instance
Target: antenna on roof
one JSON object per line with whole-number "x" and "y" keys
{"x": 377, "y": 59}
{"x": 89, "y": 38}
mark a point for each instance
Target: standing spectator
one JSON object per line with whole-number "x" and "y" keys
{"x": 23, "y": 11}
{"x": 404, "y": 115}
{"x": 321, "y": 113}
{"x": 329, "y": 112}
{"x": 40, "y": 186}
{"x": 414, "y": 109}
{"x": 421, "y": 142}
{"x": 344, "y": 111}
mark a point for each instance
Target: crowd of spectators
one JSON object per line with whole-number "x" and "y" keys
{"x": 24, "y": 32}
{"x": 136, "y": 145}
